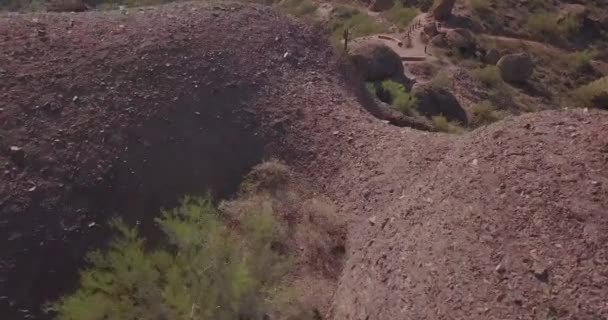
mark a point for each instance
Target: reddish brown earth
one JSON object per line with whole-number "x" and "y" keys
{"x": 121, "y": 114}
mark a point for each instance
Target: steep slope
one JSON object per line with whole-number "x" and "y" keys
{"x": 106, "y": 114}
{"x": 510, "y": 224}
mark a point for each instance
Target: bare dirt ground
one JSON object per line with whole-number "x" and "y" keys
{"x": 106, "y": 114}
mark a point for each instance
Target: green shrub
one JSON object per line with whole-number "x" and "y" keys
{"x": 400, "y": 98}
{"x": 440, "y": 80}
{"x": 485, "y": 113}
{"x": 489, "y": 75}
{"x": 543, "y": 23}
{"x": 479, "y": 5}
{"x": 581, "y": 60}
{"x": 593, "y": 94}
{"x": 358, "y": 23}
{"x": 299, "y": 8}
{"x": 442, "y": 124}
{"x": 401, "y": 16}
{"x": 535, "y": 5}
{"x": 208, "y": 270}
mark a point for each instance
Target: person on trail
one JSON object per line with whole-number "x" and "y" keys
{"x": 345, "y": 36}
{"x": 426, "y": 45}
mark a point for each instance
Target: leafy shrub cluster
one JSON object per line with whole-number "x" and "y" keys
{"x": 401, "y": 16}
{"x": 358, "y": 23}
{"x": 593, "y": 95}
{"x": 489, "y": 75}
{"x": 395, "y": 94}
{"x": 208, "y": 271}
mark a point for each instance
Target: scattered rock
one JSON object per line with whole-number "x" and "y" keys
{"x": 516, "y": 67}
{"x": 491, "y": 57}
{"x": 17, "y": 154}
{"x": 372, "y": 220}
{"x": 500, "y": 268}
{"x": 541, "y": 273}
{"x": 376, "y": 61}
{"x": 434, "y": 100}
{"x": 443, "y": 10}
{"x": 381, "y": 5}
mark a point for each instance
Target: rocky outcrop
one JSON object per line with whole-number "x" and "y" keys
{"x": 443, "y": 10}
{"x": 516, "y": 67}
{"x": 434, "y": 100}
{"x": 376, "y": 61}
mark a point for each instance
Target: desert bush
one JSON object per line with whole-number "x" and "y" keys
{"x": 479, "y": 5}
{"x": 267, "y": 177}
{"x": 440, "y": 80}
{"x": 543, "y": 23}
{"x": 442, "y": 124}
{"x": 489, "y": 75}
{"x": 400, "y": 98}
{"x": 299, "y": 8}
{"x": 485, "y": 113}
{"x": 581, "y": 60}
{"x": 207, "y": 270}
{"x": 358, "y": 23}
{"x": 401, "y": 16}
{"x": 570, "y": 26}
{"x": 593, "y": 95}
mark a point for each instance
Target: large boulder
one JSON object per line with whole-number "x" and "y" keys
{"x": 443, "y": 9}
{"x": 376, "y": 61}
{"x": 438, "y": 41}
{"x": 516, "y": 67}
{"x": 381, "y": 5}
{"x": 435, "y": 100}
{"x": 491, "y": 57}
{"x": 461, "y": 39}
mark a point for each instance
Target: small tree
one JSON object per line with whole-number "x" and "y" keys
{"x": 208, "y": 271}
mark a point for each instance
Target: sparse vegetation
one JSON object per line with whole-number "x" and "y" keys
{"x": 489, "y": 75}
{"x": 593, "y": 95}
{"x": 299, "y": 8}
{"x": 485, "y": 113}
{"x": 358, "y": 23}
{"x": 440, "y": 80}
{"x": 401, "y": 16}
{"x": 543, "y": 23}
{"x": 400, "y": 98}
{"x": 208, "y": 270}
{"x": 479, "y": 5}
{"x": 442, "y": 124}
